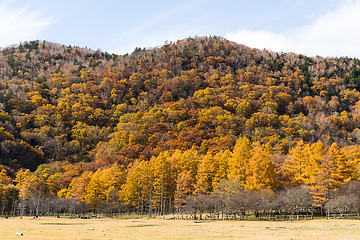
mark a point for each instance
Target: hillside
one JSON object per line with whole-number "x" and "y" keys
{"x": 58, "y": 103}
{"x": 201, "y": 110}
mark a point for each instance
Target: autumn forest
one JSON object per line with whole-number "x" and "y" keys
{"x": 201, "y": 124}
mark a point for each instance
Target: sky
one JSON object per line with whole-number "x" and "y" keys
{"x": 309, "y": 27}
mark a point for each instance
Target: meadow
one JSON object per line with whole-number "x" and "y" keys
{"x": 108, "y": 228}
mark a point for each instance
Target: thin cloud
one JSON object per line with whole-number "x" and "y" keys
{"x": 20, "y": 23}
{"x": 336, "y": 33}
{"x": 157, "y": 28}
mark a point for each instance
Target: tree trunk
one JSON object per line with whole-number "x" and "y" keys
{"x": 151, "y": 201}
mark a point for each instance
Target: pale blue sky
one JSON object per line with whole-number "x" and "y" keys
{"x": 324, "y": 27}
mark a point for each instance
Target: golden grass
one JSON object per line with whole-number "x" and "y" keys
{"x": 91, "y": 229}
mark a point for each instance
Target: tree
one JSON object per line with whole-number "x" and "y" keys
{"x": 345, "y": 168}
{"x": 137, "y": 189}
{"x": 343, "y": 204}
{"x": 4, "y": 178}
{"x": 239, "y": 161}
{"x": 33, "y": 188}
{"x": 336, "y": 169}
{"x": 294, "y": 164}
{"x": 185, "y": 164}
{"x": 222, "y": 160}
{"x": 31, "y": 183}
{"x": 77, "y": 187}
{"x": 303, "y": 163}
{"x": 261, "y": 172}
{"x": 104, "y": 184}
{"x": 7, "y": 193}
{"x": 163, "y": 182}
{"x": 206, "y": 174}
{"x": 294, "y": 200}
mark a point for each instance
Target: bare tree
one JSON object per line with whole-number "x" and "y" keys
{"x": 343, "y": 204}
{"x": 346, "y": 199}
{"x": 197, "y": 205}
{"x": 239, "y": 202}
{"x": 294, "y": 200}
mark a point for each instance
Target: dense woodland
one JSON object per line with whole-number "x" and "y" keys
{"x": 160, "y": 130}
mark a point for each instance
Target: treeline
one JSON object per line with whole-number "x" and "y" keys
{"x": 176, "y": 181}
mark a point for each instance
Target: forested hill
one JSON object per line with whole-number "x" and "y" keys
{"x": 152, "y": 129}
{"x": 72, "y": 104}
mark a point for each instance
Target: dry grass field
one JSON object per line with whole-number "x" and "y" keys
{"x": 53, "y": 228}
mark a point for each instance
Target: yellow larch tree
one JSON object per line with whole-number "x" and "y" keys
{"x": 77, "y": 187}
{"x": 260, "y": 173}
{"x": 102, "y": 183}
{"x": 206, "y": 174}
{"x": 212, "y": 169}
{"x": 31, "y": 183}
{"x": 4, "y": 181}
{"x": 336, "y": 169}
{"x": 238, "y": 162}
{"x": 137, "y": 189}
{"x": 222, "y": 171}
{"x": 163, "y": 182}
{"x": 185, "y": 165}
{"x": 346, "y": 167}
{"x": 294, "y": 164}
